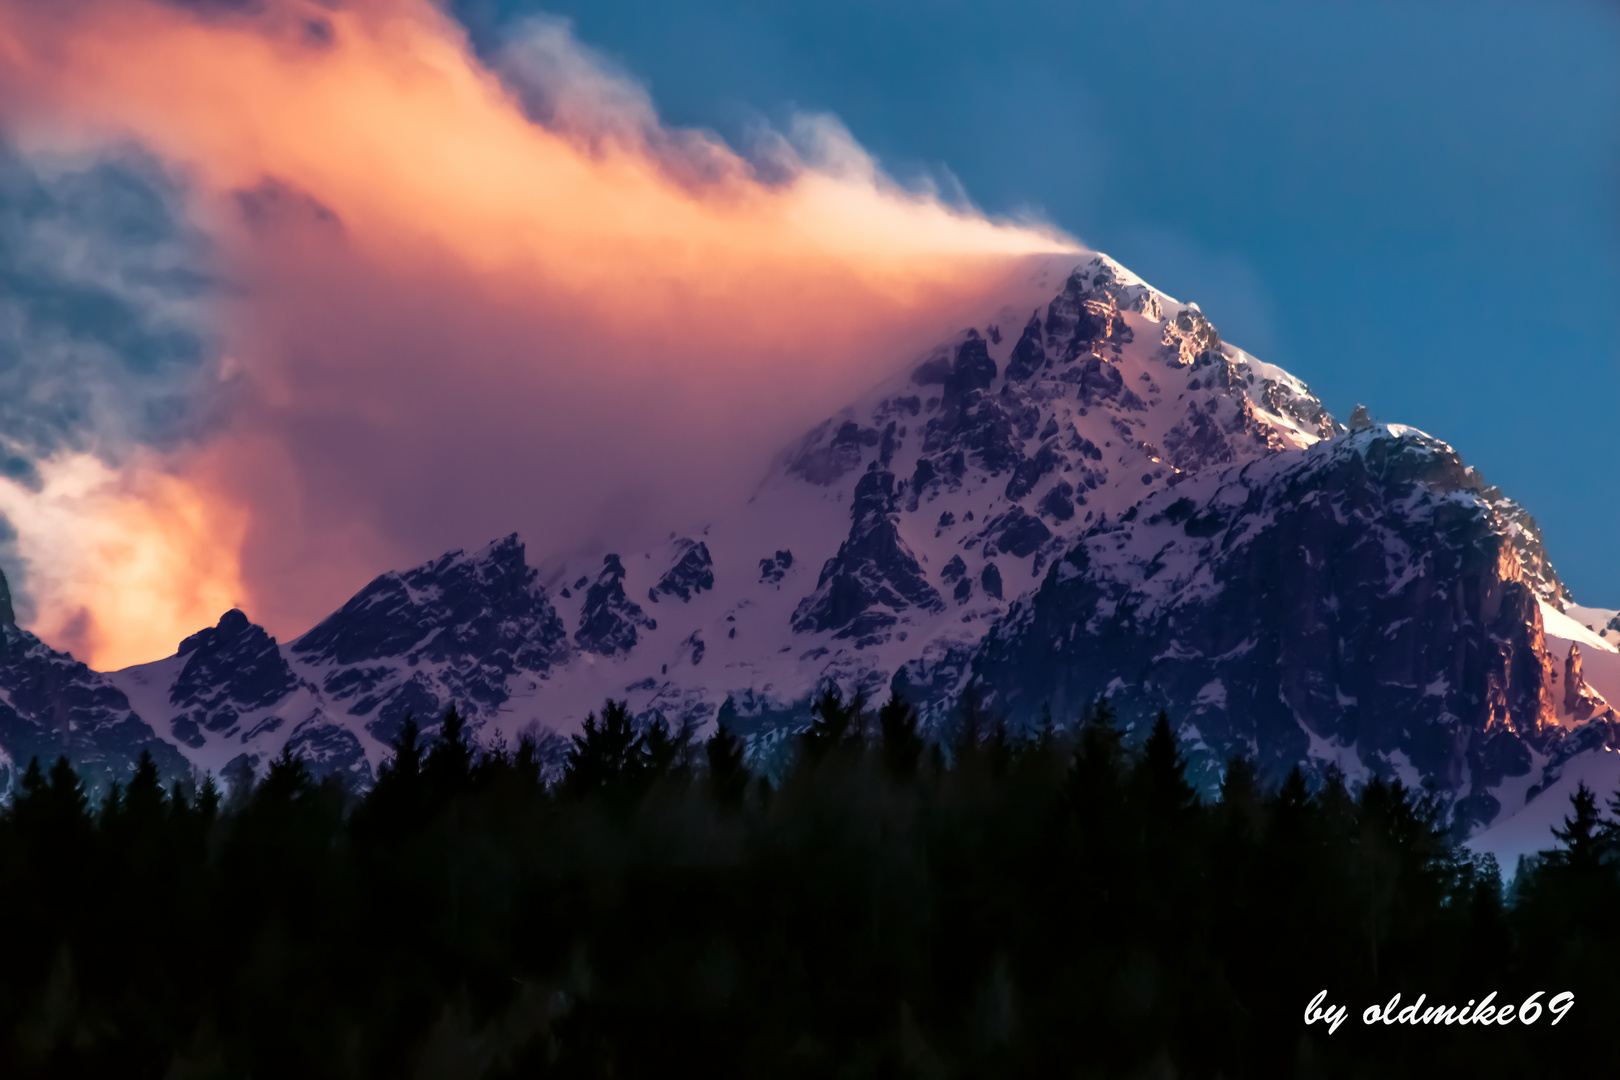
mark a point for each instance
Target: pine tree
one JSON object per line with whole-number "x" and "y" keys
{"x": 667, "y": 753}
{"x": 67, "y": 794}
{"x": 208, "y": 799}
{"x": 526, "y": 762}
{"x": 447, "y": 767}
{"x": 1161, "y": 774}
{"x": 31, "y": 788}
{"x": 972, "y": 724}
{"x": 606, "y": 752}
{"x": 728, "y": 776}
{"x": 1240, "y": 800}
{"x": 143, "y": 799}
{"x": 902, "y": 746}
{"x": 406, "y": 763}
{"x": 1098, "y": 758}
{"x": 287, "y": 780}
{"x": 112, "y": 805}
{"x": 1609, "y": 831}
{"x": 1582, "y": 836}
{"x": 1046, "y": 732}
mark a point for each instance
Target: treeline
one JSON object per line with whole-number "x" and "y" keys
{"x": 1047, "y": 906}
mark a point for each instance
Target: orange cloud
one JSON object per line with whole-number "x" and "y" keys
{"x": 130, "y": 562}
{"x": 447, "y": 320}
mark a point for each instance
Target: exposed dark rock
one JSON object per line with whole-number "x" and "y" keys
{"x": 1200, "y": 440}
{"x": 829, "y": 452}
{"x": 331, "y": 750}
{"x": 1029, "y": 471}
{"x": 970, "y": 424}
{"x": 1363, "y": 593}
{"x": 476, "y": 619}
{"x": 1015, "y": 532}
{"x": 489, "y": 604}
{"x": 397, "y": 701}
{"x": 51, "y": 704}
{"x": 1029, "y": 355}
{"x": 693, "y": 572}
{"x": 186, "y": 731}
{"x": 874, "y": 576}
{"x": 954, "y": 570}
{"x": 1058, "y": 503}
{"x": 773, "y": 569}
{"x": 608, "y": 621}
{"x": 231, "y": 668}
{"x": 935, "y": 370}
{"x": 1099, "y": 382}
{"x": 1080, "y": 318}
{"x": 1527, "y": 542}
{"x": 990, "y": 580}
{"x": 1580, "y": 702}
{"x": 1187, "y": 337}
{"x": 1303, "y": 409}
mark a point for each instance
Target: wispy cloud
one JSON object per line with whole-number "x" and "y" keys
{"x": 462, "y": 299}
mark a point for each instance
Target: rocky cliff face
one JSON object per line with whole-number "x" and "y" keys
{"x": 50, "y": 705}
{"x": 1088, "y": 493}
{"x": 866, "y": 588}
{"x": 1359, "y": 601}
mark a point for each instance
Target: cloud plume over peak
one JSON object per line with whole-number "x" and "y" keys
{"x": 450, "y": 300}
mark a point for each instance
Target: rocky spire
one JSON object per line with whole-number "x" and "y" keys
{"x": 1580, "y": 701}
{"x": 8, "y": 616}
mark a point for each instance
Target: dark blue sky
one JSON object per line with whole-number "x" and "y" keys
{"x": 1415, "y": 205}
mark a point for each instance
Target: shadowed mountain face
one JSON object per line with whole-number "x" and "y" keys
{"x": 454, "y": 630}
{"x": 231, "y": 668}
{"x": 1089, "y": 494}
{"x": 50, "y": 704}
{"x": 1362, "y": 597}
{"x": 872, "y": 578}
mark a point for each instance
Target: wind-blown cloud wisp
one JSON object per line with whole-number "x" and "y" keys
{"x": 453, "y": 300}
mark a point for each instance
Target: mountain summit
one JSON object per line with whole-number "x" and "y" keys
{"x": 1092, "y": 495}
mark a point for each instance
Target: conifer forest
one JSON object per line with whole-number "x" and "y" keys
{"x": 1054, "y": 903}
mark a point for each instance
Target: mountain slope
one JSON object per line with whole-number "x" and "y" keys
{"x": 1361, "y": 601}
{"x": 1090, "y": 492}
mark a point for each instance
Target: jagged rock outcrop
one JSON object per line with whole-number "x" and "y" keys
{"x": 864, "y": 590}
{"x": 231, "y": 668}
{"x": 692, "y": 572}
{"x": 330, "y": 749}
{"x": 449, "y": 632}
{"x": 51, "y": 704}
{"x": 831, "y": 450}
{"x": 1362, "y": 598}
{"x": 609, "y": 620}
{"x": 1531, "y": 552}
{"x": 1580, "y": 702}
{"x": 1133, "y": 505}
{"x": 775, "y": 568}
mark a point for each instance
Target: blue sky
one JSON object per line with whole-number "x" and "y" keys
{"x": 1413, "y": 205}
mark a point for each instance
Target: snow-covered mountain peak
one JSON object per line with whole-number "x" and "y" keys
{"x": 1088, "y": 491}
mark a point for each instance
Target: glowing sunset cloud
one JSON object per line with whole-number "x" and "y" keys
{"x": 456, "y": 304}
{"x": 149, "y": 560}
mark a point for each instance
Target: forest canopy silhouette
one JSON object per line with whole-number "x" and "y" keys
{"x": 989, "y": 903}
